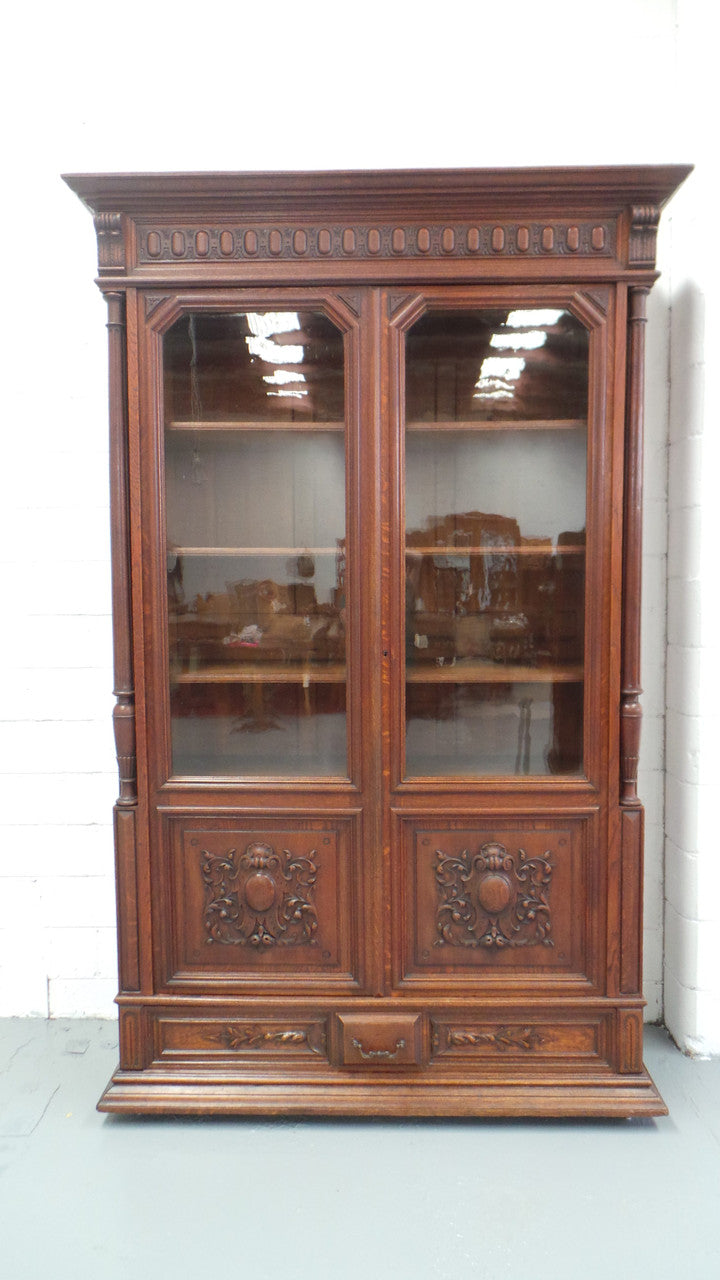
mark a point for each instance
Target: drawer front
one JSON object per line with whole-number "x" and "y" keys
{"x": 379, "y": 1040}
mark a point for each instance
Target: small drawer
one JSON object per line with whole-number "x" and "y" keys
{"x": 379, "y": 1039}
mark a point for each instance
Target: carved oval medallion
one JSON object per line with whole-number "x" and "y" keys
{"x": 259, "y": 891}
{"x": 494, "y": 893}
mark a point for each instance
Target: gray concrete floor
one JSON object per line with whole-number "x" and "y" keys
{"x": 103, "y": 1198}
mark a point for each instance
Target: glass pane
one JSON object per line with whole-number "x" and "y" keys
{"x": 255, "y": 509}
{"x": 496, "y": 461}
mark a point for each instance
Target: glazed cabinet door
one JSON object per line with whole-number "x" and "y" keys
{"x": 259, "y": 647}
{"x": 502, "y": 619}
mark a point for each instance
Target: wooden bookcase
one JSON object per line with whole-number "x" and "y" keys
{"x": 376, "y": 500}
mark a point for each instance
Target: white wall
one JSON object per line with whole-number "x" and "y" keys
{"x": 692, "y": 918}
{"x": 318, "y": 85}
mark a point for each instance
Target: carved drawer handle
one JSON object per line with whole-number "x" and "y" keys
{"x": 389, "y": 1054}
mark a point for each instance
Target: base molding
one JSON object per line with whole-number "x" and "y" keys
{"x": 158, "y": 1093}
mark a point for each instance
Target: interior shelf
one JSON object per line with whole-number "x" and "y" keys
{"x": 264, "y": 673}
{"x": 497, "y": 424}
{"x": 473, "y": 671}
{"x": 243, "y": 424}
{"x": 454, "y": 549}
{"x": 254, "y": 551}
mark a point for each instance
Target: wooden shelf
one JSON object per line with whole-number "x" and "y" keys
{"x": 230, "y": 424}
{"x": 473, "y": 671}
{"x": 254, "y": 551}
{"x": 574, "y": 549}
{"x": 499, "y": 424}
{"x": 264, "y": 673}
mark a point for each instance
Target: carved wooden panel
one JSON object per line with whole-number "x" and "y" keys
{"x": 250, "y": 902}
{"x": 260, "y": 897}
{"x": 288, "y": 1037}
{"x": 290, "y": 242}
{"x": 493, "y": 898}
{"x": 480, "y": 1039}
{"x": 488, "y": 900}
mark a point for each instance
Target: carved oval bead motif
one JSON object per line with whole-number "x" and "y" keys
{"x": 227, "y": 243}
{"x": 251, "y": 242}
{"x": 423, "y": 240}
{"x": 324, "y": 241}
{"x": 154, "y": 244}
{"x": 202, "y": 244}
{"x": 373, "y": 240}
{"x": 177, "y": 244}
{"x": 275, "y": 242}
{"x": 494, "y": 893}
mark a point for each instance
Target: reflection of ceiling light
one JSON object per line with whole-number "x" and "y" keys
{"x": 274, "y": 354}
{"x": 532, "y": 319}
{"x": 297, "y": 394}
{"x": 497, "y": 374}
{"x": 529, "y": 341}
{"x": 265, "y": 324}
{"x": 279, "y": 376}
{"x": 493, "y": 389}
{"x": 509, "y": 367}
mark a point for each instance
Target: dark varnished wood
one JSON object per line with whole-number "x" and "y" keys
{"x": 380, "y": 943}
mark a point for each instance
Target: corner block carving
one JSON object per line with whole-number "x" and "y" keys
{"x": 493, "y": 898}
{"x": 111, "y": 243}
{"x": 152, "y": 302}
{"x": 644, "y": 223}
{"x": 260, "y": 898}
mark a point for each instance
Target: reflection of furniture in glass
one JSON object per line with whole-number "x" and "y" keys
{"x": 479, "y": 593}
{"x": 376, "y": 448}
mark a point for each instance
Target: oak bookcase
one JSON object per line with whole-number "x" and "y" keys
{"x": 376, "y": 502}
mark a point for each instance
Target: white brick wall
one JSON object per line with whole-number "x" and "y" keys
{"x": 692, "y": 880}
{"x": 56, "y": 755}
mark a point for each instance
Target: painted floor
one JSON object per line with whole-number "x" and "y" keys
{"x": 93, "y": 1197}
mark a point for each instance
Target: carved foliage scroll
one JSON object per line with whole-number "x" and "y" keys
{"x": 260, "y": 898}
{"x": 505, "y": 1039}
{"x": 493, "y": 898}
{"x": 240, "y": 1037}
